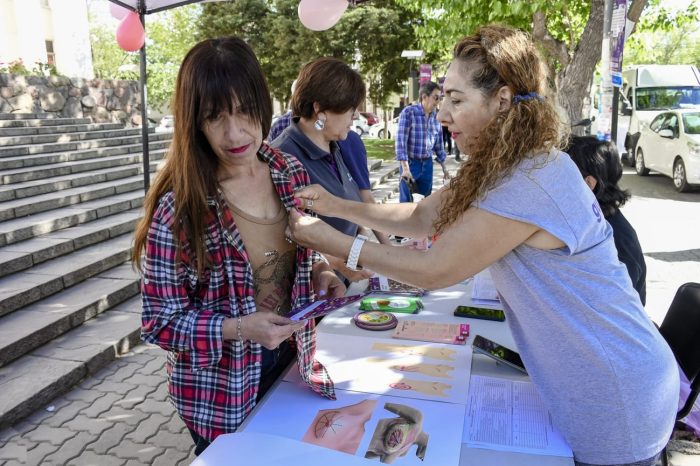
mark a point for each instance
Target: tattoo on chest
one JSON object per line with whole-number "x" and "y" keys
{"x": 276, "y": 276}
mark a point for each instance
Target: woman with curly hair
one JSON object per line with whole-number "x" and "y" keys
{"x": 519, "y": 206}
{"x": 599, "y": 163}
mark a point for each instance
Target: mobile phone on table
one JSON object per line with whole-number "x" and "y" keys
{"x": 480, "y": 313}
{"x": 498, "y": 352}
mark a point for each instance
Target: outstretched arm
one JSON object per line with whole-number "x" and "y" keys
{"x": 405, "y": 219}
{"x": 476, "y": 240}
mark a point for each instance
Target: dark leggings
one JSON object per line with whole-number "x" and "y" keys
{"x": 273, "y": 363}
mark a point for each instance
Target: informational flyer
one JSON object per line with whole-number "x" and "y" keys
{"x": 509, "y": 415}
{"x": 379, "y": 429}
{"x": 401, "y": 368}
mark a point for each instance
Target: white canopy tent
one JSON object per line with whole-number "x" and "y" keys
{"x": 143, "y": 8}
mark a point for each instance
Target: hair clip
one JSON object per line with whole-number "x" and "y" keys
{"x": 526, "y": 97}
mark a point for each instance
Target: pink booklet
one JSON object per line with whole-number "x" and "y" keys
{"x": 455, "y": 334}
{"x": 323, "y": 307}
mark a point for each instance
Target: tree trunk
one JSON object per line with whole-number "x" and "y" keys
{"x": 574, "y": 81}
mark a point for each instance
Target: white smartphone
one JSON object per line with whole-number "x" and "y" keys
{"x": 498, "y": 352}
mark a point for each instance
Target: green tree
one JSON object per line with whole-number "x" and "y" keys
{"x": 169, "y": 35}
{"x": 569, "y": 33}
{"x": 370, "y": 37}
{"x": 665, "y": 36}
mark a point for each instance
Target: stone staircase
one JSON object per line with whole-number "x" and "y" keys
{"x": 70, "y": 195}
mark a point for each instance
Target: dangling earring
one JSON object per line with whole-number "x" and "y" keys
{"x": 319, "y": 124}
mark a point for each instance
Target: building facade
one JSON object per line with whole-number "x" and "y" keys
{"x": 53, "y": 32}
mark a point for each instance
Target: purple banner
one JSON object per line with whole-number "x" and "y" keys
{"x": 617, "y": 34}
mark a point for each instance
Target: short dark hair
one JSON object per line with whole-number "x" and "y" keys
{"x": 427, "y": 88}
{"x": 330, "y": 82}
{"x": 600, "y": 160}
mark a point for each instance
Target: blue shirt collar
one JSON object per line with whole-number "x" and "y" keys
{"x": 307, "y": 145}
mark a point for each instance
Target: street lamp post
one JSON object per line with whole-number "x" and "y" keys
{"x": 411, "y": 55}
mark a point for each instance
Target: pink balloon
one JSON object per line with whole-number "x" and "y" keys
{"x": 130, "y": 33}
{"x": 117, "y": 12}
{"x": 319, "y": 15}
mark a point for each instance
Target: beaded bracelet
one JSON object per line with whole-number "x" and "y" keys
{"x": 238, "y": 329}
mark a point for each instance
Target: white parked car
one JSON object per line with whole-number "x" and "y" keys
{"x": 377, "y": 130}
{"x": 360, "y": 126}
{"x": 166, "y": 125}
{"x": 670, "y": 145}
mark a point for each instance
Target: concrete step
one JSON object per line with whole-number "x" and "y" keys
{"x": 31, "y": 122}
{"x": 29, "y": 149}
{"x": 26, "y": 254}
{"x": 11, "y": 163}
{"x": 57, "y": 183}
{"x": 43, "y": 280}
{"x": 30, "y": 327}
{"x": 38, "y": 377}
{"x": 20, "y": 175}
{"x": 65, "y": 136}
{"x": 26, "y": 116}
{"x": 20, "y": 229}
{"x": 32, "y": 130}
{"x": 381, "y": 174}
{"x": 44, "y": 202}
{"x": 374, "y": 164}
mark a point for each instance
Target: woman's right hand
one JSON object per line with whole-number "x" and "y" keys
{"x": 316, "y": 199}
{"x": 268, "y": 328}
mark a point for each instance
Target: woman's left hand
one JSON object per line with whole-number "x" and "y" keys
{"x": 326, "y": 283}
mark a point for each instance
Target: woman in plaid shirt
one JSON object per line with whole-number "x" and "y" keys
{"x": 219, "y": 275}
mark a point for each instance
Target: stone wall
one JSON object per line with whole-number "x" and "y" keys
{"x": 103, "y": 100}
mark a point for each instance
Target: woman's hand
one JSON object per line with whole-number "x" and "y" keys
{"x": 310, "y": 232}
{"x": 315, "y": 198}
{"x": 267, "y": 328}
{"x": 326, "y": 283}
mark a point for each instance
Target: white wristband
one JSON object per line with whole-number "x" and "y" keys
{"x": 354, "y": 254}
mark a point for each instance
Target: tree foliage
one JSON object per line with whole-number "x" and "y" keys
{"x": 665, "y": 36}
{"x": 568, "y": 32}
{"x": 370, "y": 37}
{"x": 169, "y": 35}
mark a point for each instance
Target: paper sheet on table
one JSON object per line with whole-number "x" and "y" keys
{"x": 484, "y": 290}
{"x": 292, "y": 410}
{"x": 404, "y": 368}
{"x": 253, "y": 449}
{"x": 509, "y": 415}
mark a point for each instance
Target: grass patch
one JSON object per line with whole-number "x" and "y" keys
{"x": 380, "y": 148}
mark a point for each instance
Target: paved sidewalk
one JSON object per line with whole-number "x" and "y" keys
{"x": 121, "y": 415}
{"x": 118, "y": 417}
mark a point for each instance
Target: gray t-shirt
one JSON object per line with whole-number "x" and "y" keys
{"x": 601, "y": 367}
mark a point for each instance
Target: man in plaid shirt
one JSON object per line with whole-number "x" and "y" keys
{"x": 418, "y": 136}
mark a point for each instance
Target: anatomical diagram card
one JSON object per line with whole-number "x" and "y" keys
{"x": 381, "y": 429}
{"x": 402, "y": 368}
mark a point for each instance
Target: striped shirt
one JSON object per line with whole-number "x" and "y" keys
{"x": 419, "y": 136}
{"x": 213, "y": 383}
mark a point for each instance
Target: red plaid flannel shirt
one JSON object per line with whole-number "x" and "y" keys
{"x": 213, "y": 383}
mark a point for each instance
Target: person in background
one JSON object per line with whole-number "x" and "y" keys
{"x": 324, "y": 104}
{"x": 599, "y": 163}
{"x": 354, "y": 154}
{"x": 519, "y": 206}
{"x": 282, "y": 122}
{"x": 447, "y": 139}
{"x": 219, "y": 274}
{"x": 419, "y": 135}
